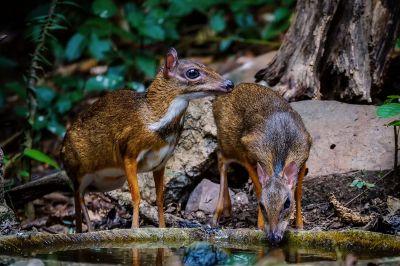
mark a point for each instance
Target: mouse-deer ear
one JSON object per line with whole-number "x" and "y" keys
{"x": 263, "y": 177}
{"x": 171, "y": 61}
{"x": 290, "y": 174}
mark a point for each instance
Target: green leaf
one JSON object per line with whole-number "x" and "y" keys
{"x": 180, "y": 8}
{"x": 394, "y": 123}
{"x": 23, "y": 173}
{"x": 104, "y": 8}
{"x": 388, "y": 110}
{"x": 217, "y": 22}
{"x": 152, "y": 30}
{"x": 40, "y": 122}
{"x": 104, "y": 82}
{"x": 45, "y": 96}
{"x": 41, "y": 157}
{"x": 99, "y": 48}
{"x": 147, "y": 64}
{"x": 118, "y": 70}
{"x": 134, "y": 16}
{"x": 281, "y": 14}
{"x": 100, "y": 27}
{"x": 360, "y": 184}
{"x": 63, "y": 105}
{"x": 137, "y": 86}
{"x": 21, "y": 111}
{"x": 354, "y": 183}
{"x": 75, "y": 47}
{"x": 245, "y": 20}
{"x": 56, "y": 128}
{"x": 15, "y": 87}
{"x": 369, "y": 185}
{"x": 225, "y": 44}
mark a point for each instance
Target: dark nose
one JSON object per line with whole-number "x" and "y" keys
{"x": 229, "y": 84}
{"x": 274, "y": 238}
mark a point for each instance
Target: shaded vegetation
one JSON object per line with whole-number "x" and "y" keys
{"x": 87, "y": 47}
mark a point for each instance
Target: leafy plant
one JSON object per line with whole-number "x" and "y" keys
{"x": 359, "y": 183}
{"x": 390, "y": 108}
{"x": 90, "y": 46}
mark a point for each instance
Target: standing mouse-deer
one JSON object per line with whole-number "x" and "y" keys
{"x": 125, "y": 133}
{"x": 258, "y": 129}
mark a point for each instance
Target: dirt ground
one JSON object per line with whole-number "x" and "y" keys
{"x": 54, "y": 212}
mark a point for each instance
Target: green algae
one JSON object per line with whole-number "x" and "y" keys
{"x": 178, "y": 237}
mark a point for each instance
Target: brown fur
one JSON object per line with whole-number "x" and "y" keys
{"x": 257, "y": 126}
{"x": 116, "y": 130}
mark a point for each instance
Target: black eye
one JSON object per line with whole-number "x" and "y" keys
{"x": 192, "y": 73}
{"x": 262, "y": 207}
{"x": 287, "y": 204}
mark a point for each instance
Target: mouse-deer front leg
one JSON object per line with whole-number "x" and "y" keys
{"x": 131, "y": 174}
{"x": 223, "y": 197}
{"x": 299, "y": 187}
{"x": 257, "y": 188}
{"x": 158, "y": 176}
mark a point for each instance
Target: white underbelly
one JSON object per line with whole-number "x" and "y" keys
{"x": 103, "y": 180}
{"x": 150, "y": 160}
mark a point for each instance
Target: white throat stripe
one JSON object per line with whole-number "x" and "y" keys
{"x": 177, "y": 106}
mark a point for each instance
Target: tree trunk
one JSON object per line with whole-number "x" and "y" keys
{"x": 335, "y": 49}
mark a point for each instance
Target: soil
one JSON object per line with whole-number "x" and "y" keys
{"x": 54, "y": 212}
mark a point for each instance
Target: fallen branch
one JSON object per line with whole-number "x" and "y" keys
{"x": 347, "y": 215}
{"x": 37, "y": 188}
{"x": 146, "y": 210}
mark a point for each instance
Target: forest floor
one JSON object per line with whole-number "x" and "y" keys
{"x": 54, "y": 213}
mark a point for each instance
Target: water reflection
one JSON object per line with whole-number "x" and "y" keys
{"x": 199, "y": 253}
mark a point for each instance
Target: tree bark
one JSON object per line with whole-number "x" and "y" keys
{"x": 335, "y": 49}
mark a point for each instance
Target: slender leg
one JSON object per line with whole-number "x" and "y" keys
{"x": 158, "y": 176}
{"x": 257, "y": 187}
{"x": 131, "y": 173}
{"x": 85, "y": 212}
{"x": 299, "y": 216}
{"x": 160, "y": 257}
{"x": 135, "y": 257}
{"x": 227, "y": 198}
{"x": 222, "y": 188}
{"x": 78, "y": 211}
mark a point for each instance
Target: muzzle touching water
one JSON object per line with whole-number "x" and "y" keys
{"x": 274, "y": 238}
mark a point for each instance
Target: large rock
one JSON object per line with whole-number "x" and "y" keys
{"x": 346, "y": 137}
{"x": 204, "y": 197}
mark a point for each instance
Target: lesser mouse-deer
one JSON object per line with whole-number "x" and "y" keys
{"x": 125, "y": 133}
{"x": 258, "y": 129}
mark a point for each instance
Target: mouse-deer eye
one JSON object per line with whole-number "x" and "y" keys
{"x": 192, "y": 73}
{"x": 286, "y": 205}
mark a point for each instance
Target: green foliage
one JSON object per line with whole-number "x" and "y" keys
{"x": 41, "y": 157}
{"x": 126, "y": 39}
{"x": 389, "y": 109}
{"x": 359, "y": 183}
